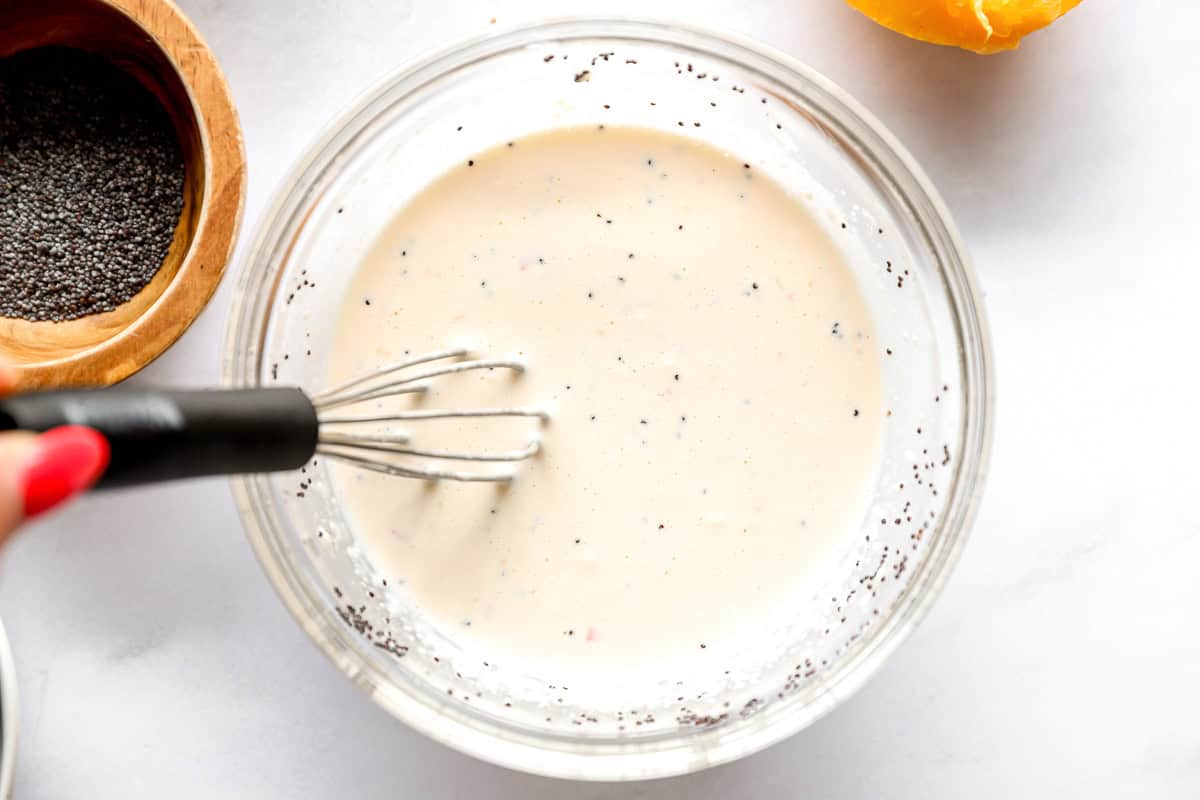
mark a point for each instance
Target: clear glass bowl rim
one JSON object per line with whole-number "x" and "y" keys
{"x": 560, "y": 756}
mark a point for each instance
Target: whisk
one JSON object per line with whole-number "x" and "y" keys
{"x": 159, "y": 435}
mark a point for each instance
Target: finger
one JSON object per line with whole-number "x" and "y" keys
{"x": 38, "y": 473}
{"x": 16, "y": 449}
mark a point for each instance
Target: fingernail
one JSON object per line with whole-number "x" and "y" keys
{"x": 65, "y": 461}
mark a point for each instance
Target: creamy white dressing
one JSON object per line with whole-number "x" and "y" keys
{"x": 711, "y": 370}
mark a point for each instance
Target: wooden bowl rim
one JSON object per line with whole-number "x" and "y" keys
{"x": 223, "y": 160}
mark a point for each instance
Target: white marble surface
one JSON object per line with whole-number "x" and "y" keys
{"x": 1063, "y": 658}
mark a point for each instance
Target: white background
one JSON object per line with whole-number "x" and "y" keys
{"x": 1063, "y": 658}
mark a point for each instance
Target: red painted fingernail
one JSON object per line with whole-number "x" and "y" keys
{"x": 65, "y": 461}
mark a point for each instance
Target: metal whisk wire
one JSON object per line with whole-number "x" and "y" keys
{"x": 380, "y": 452}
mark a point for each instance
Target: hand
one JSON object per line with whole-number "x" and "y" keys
{"x": 39, "y": 472}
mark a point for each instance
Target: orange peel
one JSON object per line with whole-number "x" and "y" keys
{"x": 984, "y": 26}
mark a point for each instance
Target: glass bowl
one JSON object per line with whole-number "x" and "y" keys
{"x": 809, "y": 136}
{"x": 8, "y": 718}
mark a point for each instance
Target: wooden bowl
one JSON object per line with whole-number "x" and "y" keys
{"x": 154, "y": 42}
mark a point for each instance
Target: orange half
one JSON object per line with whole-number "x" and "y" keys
{"x": 985, "y": 26}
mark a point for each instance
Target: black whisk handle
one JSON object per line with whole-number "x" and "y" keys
{"x": 165, "y": 435}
